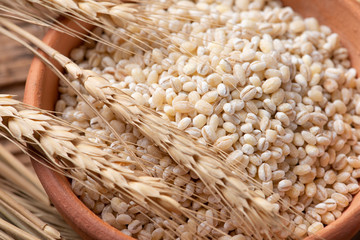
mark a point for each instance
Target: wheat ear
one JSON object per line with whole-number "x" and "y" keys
{"x": 66, "y": 149}
{"x": 138, "y": 19}
{"x": 101, "y": 12}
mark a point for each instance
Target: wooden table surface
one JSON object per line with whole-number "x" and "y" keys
{"x": 15, "y": 61}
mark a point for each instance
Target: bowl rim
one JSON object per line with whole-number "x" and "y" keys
{"x": 82, "y": 219}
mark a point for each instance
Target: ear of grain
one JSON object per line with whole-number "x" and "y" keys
{"x": 53, "y": 141}
{"x": 134, "y": 18}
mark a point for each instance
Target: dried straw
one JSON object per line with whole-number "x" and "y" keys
{"x": 5, "y": 236}
{"x": 18, "y": 203}
{"x": 8, "y": 158}
{"x": 15, "y": 231}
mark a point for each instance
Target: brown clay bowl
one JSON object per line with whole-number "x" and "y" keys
{"x": 342, "y": 16}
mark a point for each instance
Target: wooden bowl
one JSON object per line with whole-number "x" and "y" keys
{"x": 342, "y": 16}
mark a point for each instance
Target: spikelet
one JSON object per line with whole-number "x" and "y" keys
{"x": 65, "y": 149}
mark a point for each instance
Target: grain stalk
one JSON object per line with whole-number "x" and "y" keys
{"x": 15, "y": 231}
{"x": 5, "y": 236}
{"x": 25, "y": 206}
{"x": 8, "y": 159}
{"x": 12, "y": 175}
{"x": 21, "y": 216}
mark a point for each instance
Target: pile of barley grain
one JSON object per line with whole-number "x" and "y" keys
{"x": 254, "y": 79}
